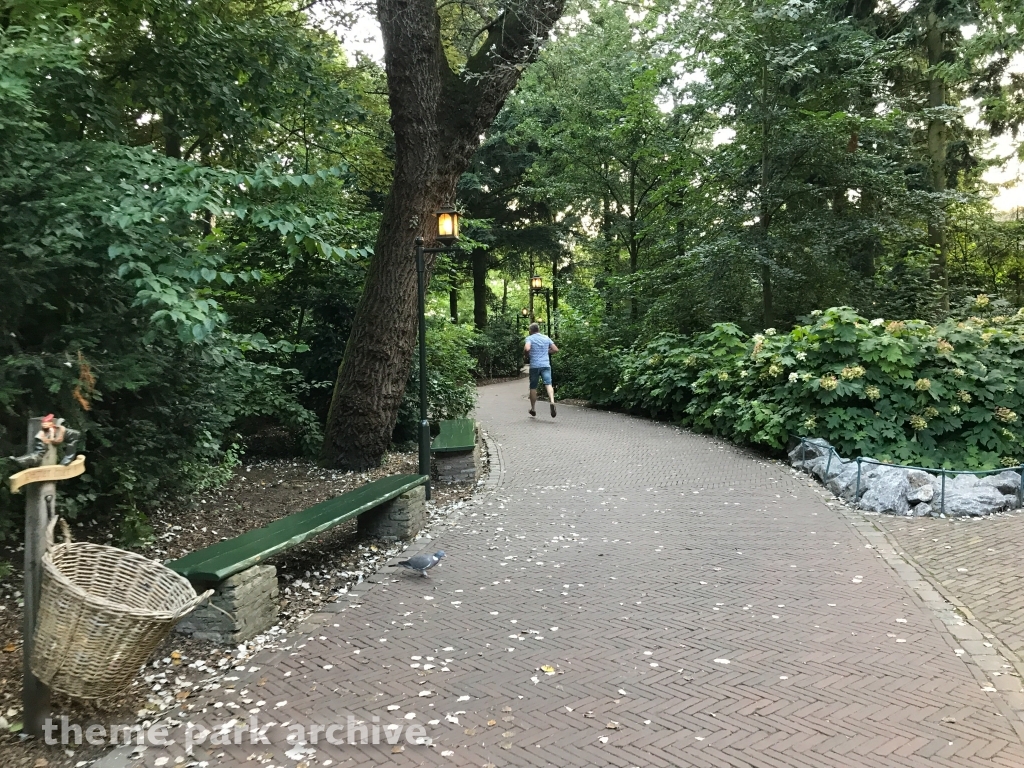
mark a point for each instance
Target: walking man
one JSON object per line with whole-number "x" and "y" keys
{"x": 538, "y": 346}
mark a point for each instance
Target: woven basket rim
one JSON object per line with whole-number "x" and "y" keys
{"x": 100, "y": 602}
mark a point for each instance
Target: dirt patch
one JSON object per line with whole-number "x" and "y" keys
{"x": 309, "y": 576}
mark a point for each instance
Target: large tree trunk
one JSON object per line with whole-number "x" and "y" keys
{"x": 437, "y": 117}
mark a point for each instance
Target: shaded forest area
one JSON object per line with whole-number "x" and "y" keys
{"x": 191, "y": 193}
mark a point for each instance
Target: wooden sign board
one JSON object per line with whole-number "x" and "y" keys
{"x": 47, "y": 474}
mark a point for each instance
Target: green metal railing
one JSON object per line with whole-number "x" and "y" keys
{"x": 861, "y": 460}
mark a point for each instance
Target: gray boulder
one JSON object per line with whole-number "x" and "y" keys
{"x": 844, "y": 483}
{"x": 973, "y": 501}
{"x": 825, "y": 467}
{"x": 923, "y": 510}
{"x": 918, "y": 478}
{"x": 921, "y": 493}
{"x": 960, "y": 483}
{"x": 805, "y": 453}
{"x": 1005, "y": 482}
{"x": 887, "y": 489}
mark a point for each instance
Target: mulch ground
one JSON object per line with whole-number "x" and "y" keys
{"x": 310, "y": 575}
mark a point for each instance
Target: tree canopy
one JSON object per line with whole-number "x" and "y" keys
{"x": 208, "y": 208}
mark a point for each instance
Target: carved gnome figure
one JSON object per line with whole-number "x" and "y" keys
{"x": 51, "y": 435}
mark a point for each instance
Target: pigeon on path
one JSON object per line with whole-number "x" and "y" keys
{"x": 423, "y": 563}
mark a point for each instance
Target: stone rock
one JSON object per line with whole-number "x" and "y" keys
{"x": 961, "y": 483}
{"x": 974, "y": 501}
{"x": 887, "y": 489}
{"x": 1005, "y": 482}
{"x": 921, "y": 493}
{"x": 805, "y": 452}
{"x": 826, "y": 467}
{"x": 922, "y": 510}
{"x": 919, "y": 478}
{"x": 844, "y": 484}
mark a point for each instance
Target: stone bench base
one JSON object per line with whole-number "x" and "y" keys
{"x": 400, "y": 518}
{"x": 462, "y": 466}
{"x": 251, "y": 599}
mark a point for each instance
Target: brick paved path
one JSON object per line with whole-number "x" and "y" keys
{"x": 976, "y": 562}
{"x": 702, "y": 599}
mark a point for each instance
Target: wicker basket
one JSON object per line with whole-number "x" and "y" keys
{"x": 102, "y": 612}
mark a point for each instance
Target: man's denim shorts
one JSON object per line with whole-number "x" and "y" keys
{"x": 542, "y": 373}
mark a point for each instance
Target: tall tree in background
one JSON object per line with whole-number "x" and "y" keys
{"x": 439, "y": 110}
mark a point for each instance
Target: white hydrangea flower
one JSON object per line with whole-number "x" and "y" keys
{"x": 770, "y": 331}
{"x": 801, "y": 355}
{"x": 793, "y": 377}
{"x": 877, "y": 322}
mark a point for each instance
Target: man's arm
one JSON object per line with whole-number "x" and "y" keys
{"x": 552, "y": 348}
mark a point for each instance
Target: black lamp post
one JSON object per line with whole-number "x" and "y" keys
{"x": 523, "y": 314}
{"x": 447, "y": 234}
{"x": 537, "y": 286}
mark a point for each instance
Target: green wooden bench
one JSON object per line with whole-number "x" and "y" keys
{"x": 226, "y": 558}
{"x": 455, "y": 435}
{"x": 456, "y": 451}
{"x": 247, "y": 590}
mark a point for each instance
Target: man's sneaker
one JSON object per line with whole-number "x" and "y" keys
{"x": 553, "y": 411}
{"x": 533, "y": 412}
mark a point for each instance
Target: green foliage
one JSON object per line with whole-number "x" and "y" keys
{"x": 451, "y": 388}
{"x": 164, "y": 163}
{"x": 499, "y": 348}
{"x": 948, "y": 395}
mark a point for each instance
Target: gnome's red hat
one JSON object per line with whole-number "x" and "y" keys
{"x": 49, "y": 417}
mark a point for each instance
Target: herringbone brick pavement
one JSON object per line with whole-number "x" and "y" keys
{"x": 630, "y": 595}
{"x": 977, "y": 560}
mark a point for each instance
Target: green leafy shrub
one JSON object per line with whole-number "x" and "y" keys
{"x": 589, "y": 363}
{"x": 499, "y": 348}
{"x": 948, "y": 395}
{"x": 451, "y": 388}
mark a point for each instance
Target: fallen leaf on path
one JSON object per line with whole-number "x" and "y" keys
{"x": 491, "y": 723}
{"x": 10, "y": 647}
{"x": 397, "y": 748}
{"x": 613, "y": 725}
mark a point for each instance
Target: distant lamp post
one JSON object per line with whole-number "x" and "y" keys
{"x": 537, "y": 287}
{"x": 448, "y": 235}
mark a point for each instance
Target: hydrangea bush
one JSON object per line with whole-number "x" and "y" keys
{"x": 948, "y": 395}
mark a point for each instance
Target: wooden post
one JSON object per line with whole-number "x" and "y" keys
{"x": 40, "y": 500}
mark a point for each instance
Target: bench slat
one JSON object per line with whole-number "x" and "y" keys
{"x": 226, "y": 558}
{"x": 455, "y": 435}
